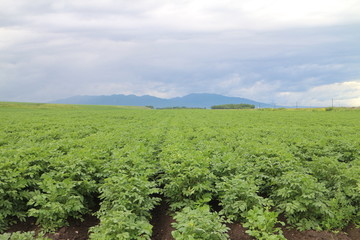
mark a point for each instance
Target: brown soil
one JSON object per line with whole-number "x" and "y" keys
{"x": 353, "y": 232}
{"x": 161, "y": 221}
{"x": 237, "y": 232}
{"x": 77, "y": 230}
{"x": 27, "y": 226}
{"x": 292, "y": 234}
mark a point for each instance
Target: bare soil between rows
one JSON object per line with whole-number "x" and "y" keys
{"x": 77, "y": 229}
{"x": 161, "y": 221}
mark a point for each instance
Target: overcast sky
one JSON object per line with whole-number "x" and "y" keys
{"x": 280, "y": 51}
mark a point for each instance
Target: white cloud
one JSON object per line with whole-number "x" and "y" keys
{"x": 249, "y": 85}
{"x": 184, "y": 15}
{"x": 255, "y": 87}
{"x": 171, "y": 48}
{"x": 339, "y": 94}
{"x": 136, "y": 86}
{"x": 296, "y": 69}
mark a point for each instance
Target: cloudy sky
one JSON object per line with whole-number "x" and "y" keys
{"x": 279, "y": 51}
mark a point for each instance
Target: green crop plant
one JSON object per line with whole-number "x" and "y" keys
{"x": 55, "y": 203}
{"x": 262, "y": 224}
{"x": 302, "y": 199}
{"x": 21, "y": 236}
{"x": 122, "y": 224}
{"x": 199, "y": 223}
{"x": 237, "y": 195}
{"x": 133, "y": 193}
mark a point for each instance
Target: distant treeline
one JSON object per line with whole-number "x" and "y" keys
{"x": 234, "y": 106}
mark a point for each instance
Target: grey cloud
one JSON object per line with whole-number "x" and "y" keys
{"x": 55, "y": 50}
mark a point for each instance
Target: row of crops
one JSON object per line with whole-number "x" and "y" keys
{"x": 260, "y": 168}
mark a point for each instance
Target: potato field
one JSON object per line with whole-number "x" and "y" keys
{"x": 265, "y": 169}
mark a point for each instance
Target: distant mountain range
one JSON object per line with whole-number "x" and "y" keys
{"x": 195, "y": 100}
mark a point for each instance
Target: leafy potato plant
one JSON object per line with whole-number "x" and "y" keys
{"x": 261, "y": 224}
{"x": 237, "y": 195}
{"x": 302, "y": 199}
{"x": 199, "y": 223}
{"x": 21, "y": 236}
{"x": 122, "y": 224}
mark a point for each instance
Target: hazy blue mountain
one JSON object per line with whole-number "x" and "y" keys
{"x": 198, "y": 100}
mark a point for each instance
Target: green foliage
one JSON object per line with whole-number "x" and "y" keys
{"x": 127, "y": 195}
{"x": 58, "y": 201}
{"x": 124, "y": 192}
{"x": 342, "y": 212}
{"x": 186, "y": 178}
{"x": 117, "y": 224}
{"x": 234, "y": 106}
{"x": 21, "y": 236}
{"x": 237, "y": 196}
{"x": 58, "y": 161}
{"x": 13, "y": 192}
{"x": 261, "y": 224}
{"x": 199, "y": 223}
{"x": 343, "y": 196}
{"x": 302, "y": 199}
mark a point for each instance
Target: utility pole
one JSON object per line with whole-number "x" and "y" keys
{"x": 332, "y": 102}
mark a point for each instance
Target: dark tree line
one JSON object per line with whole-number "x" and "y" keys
{"x": 234, "y": 106}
